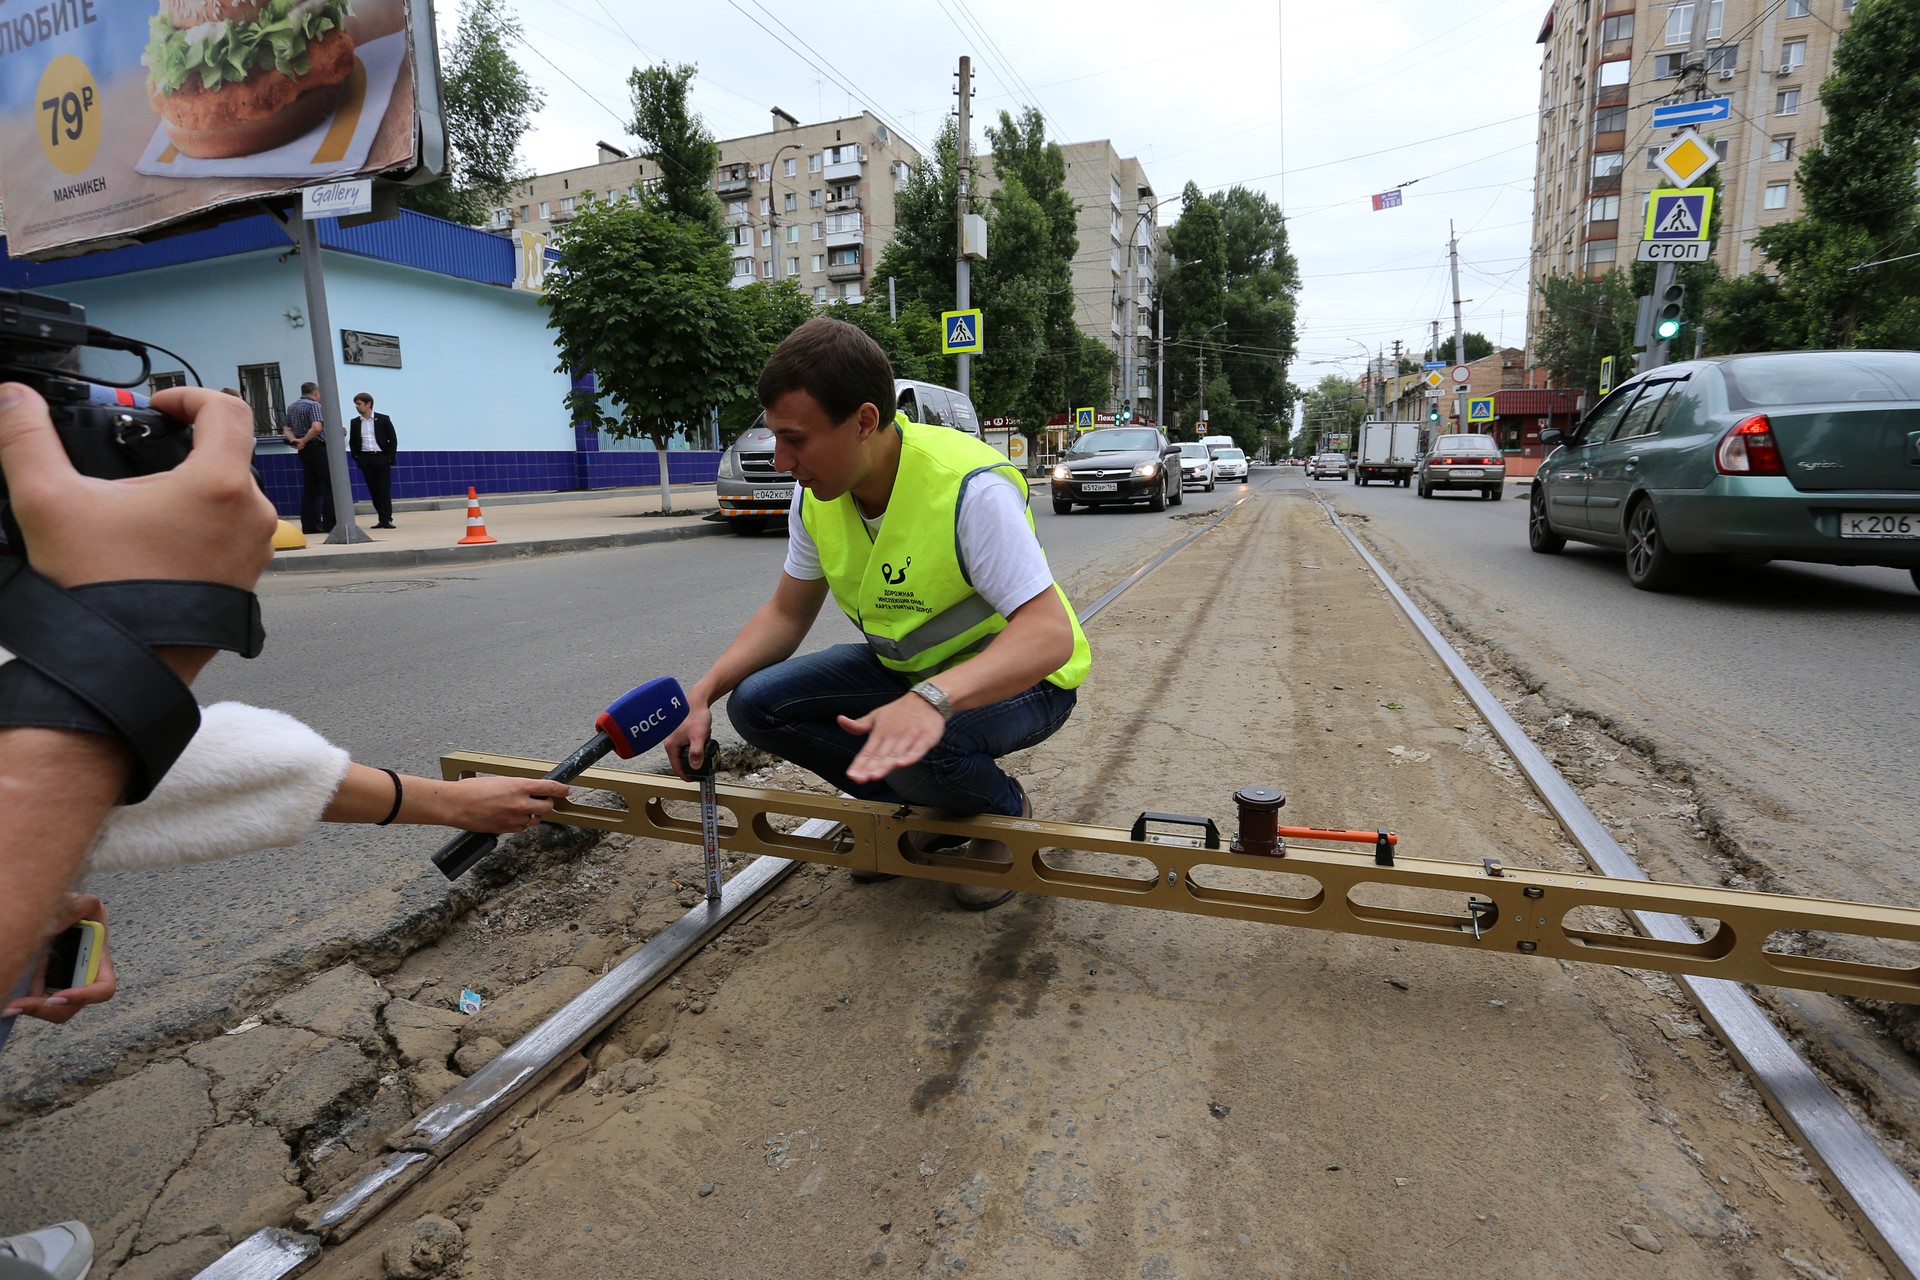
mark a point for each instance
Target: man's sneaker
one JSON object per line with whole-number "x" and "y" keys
{"x": 64, "y": 1250}
{"x": 983, "y": 897}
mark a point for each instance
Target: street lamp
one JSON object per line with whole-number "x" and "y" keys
{"x": 773, "y": 205}
{"x": 1144, "y": 208}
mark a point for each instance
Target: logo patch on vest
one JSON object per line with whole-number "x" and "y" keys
{"x": 886, "y": 572}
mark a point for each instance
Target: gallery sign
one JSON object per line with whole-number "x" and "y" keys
{"x": 117, "y": 116}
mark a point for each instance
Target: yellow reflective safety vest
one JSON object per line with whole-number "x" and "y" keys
{"x": 906, "y": 587}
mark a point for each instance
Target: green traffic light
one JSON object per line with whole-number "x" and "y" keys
{"x": 1667, "y": 329}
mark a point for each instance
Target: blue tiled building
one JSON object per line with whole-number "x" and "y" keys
{"x": 477, "y": 398}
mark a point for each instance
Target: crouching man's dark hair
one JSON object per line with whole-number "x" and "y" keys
{"x": 835, "y": 363}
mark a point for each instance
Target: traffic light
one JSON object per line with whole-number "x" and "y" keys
{"x": 1667, "y": 308}
{"x": 1433, "y": 413}
{"x": 1123, "y": 415}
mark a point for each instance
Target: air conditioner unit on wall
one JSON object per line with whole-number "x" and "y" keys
{"x": 1726, "y": 73}
{"x": 1786, "y": 69}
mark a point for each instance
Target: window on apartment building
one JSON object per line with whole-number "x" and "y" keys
{"x": 1606, "y": 164}
{"x": 1616, "y": 28}
{"x": 1786, "y": 102}
{"x": 793, "y": 233}
{"x": 633, "y": 192}
{"x": 1610, "y": 119}
{"x": 743, "y": 266}
{"x": 501, "y": 217}
{"x": 766, "y": 268}
{"x": 1116, "y": 192}
{"x": 793, "y": 201}
{"x": 546, "y": 210}
{"x": 844, "y": 256}
{"x": 814, "y": 198}
{"x": 1603, "y": 208}
{"x": 813, "y": 163}
{"x": 1779, "y": 149}
{"x": 736, "y": 208}
{"x": 1668, "y": 66}
{"x": 1615, "y": 73}
{"x": 844, "y": 191}
{"x": 819, "y": 262}
{"x": 1793, "y": 54}
{"x": 523, "y": 213}
{"x": 1601, "y": 252}
{"x": 1680, "y": 21}
{"x": 1776, "y": 196}
{"x": 819, "y": 293}
{"x": 740, "y": 235}
{"x": 766, "y": 236}
{"x": 566, "y": 204}
{"x": 793, "y": 267}
{"x": 1799, "y": 8}
{"x": 766, "y": 204}
{"x": 843, "y": 221}
{"x": 818, "y": 229}
{"x": 766, "y": 170}
{"x": 792, "y": 167}
{"x": 850, "y": 291}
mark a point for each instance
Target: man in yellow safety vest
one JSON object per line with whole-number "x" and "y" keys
{"x": 969, "y": 650}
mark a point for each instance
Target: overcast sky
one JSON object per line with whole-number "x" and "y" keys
{"x": 1318, "y": 105}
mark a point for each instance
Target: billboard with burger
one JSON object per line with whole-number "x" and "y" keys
{"x": 116, "y": 119}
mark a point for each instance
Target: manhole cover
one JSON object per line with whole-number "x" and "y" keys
{"x": 385, "y": 588}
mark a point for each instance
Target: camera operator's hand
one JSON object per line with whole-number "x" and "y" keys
{"x": 58, "y": 1005}
{"x": 204, "y": 521}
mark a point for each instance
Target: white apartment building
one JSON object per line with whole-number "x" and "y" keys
{"x": 812, "y": 203}
{"x": 1119, "y": 222}
{"x": 1608, "y": 63}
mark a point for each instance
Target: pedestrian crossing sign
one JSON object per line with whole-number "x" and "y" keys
{"x": 1480, "y": 409}
{"x": 1083, "y": 419}
{"x": 1679, "y": 213}
{"x": 960, "y": 333}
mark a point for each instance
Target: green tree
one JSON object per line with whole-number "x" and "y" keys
{"x": 1011, "y": 288}
{"x": 1334, "y": 404}
{"x": 1229, "y": 299}
{"x": 1581, "y": 321}
{"x": 677, "y": 141}
{"x": 1477, "y": 345}
{"x": 1750, "y": 313}
{"x": 1859, "y": 188}
{"x": 911, "y": 343}
{"x": 769, "y": 311}
{"x": 1062, "y": 368}
{"x": 642, "y": 299}
{"x": 488, "y": 101}
{"x": 920, "y": 256}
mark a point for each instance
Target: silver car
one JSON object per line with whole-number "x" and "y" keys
{"x": 1462, "y": 462}
{"x": 1196, "y": 465}
{"x": 1322, "y": 465}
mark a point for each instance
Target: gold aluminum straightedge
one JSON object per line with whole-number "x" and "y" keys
{"x": 1497, "y": 908}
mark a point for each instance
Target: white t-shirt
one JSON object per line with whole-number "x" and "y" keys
{"x": 1002, "y": 557}
{"x": 368, "y": 441}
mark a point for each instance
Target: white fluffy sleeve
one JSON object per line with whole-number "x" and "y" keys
{"x": 250, "y": 779}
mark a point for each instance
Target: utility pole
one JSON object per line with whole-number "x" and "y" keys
{"x": 1695, "y": 72}
{"x": 1459, "y": 334}
{"x": 1126, "y": 360}
{"x": 1396, "y": 379}
{"x": 962, "y": 268}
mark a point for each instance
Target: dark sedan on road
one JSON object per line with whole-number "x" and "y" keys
{"x": 1803, "y": 455}
{"x": 1118, "y": 464}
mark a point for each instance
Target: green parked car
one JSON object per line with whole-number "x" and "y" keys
{"x": 1802, "y": 455}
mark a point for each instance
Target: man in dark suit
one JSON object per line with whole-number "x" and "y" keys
{"x": 371, "y": 439}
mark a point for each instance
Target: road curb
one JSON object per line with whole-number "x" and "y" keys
{"x": 415, "y": 557}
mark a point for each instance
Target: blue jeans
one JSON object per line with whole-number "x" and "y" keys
{"x": 789, "y": 709}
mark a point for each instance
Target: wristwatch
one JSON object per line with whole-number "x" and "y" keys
{"x": 936, "y": 698}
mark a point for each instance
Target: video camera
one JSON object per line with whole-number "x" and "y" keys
{"x": 109, "y": 432}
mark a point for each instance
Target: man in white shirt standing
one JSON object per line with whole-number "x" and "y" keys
{"x": 373, "y": 443}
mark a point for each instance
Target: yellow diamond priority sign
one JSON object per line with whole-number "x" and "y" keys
{"x": 1688, "y": 159}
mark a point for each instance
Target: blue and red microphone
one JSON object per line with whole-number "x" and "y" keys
{"x": 637, "y": 721}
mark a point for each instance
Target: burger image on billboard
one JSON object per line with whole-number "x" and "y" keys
{"x": 236, "y": 77}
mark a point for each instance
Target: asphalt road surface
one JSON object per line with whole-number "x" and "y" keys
{"x": 398, "y": 666}
{"x": 1789, "y": 688}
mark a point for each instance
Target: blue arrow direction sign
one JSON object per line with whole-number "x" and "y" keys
{"x": 1678, "y": 115}
{"x": 1433, "y": 364}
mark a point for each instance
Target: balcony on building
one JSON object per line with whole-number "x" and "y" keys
{"x": 855, "y": 234}
{"x": 733, "y": 180}
{"x": 852, "y": 269}
{"x": 847, "y": 203}
{"x": 845, "y": 169}
{"x": 743, "y": 250}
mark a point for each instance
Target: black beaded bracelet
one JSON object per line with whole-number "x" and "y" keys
{"x": 397, "y": 793}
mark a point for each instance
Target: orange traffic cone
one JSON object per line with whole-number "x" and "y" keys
{"x": 476, "y": 523}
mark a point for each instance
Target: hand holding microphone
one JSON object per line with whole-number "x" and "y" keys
{"x": 637, "y": 721}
